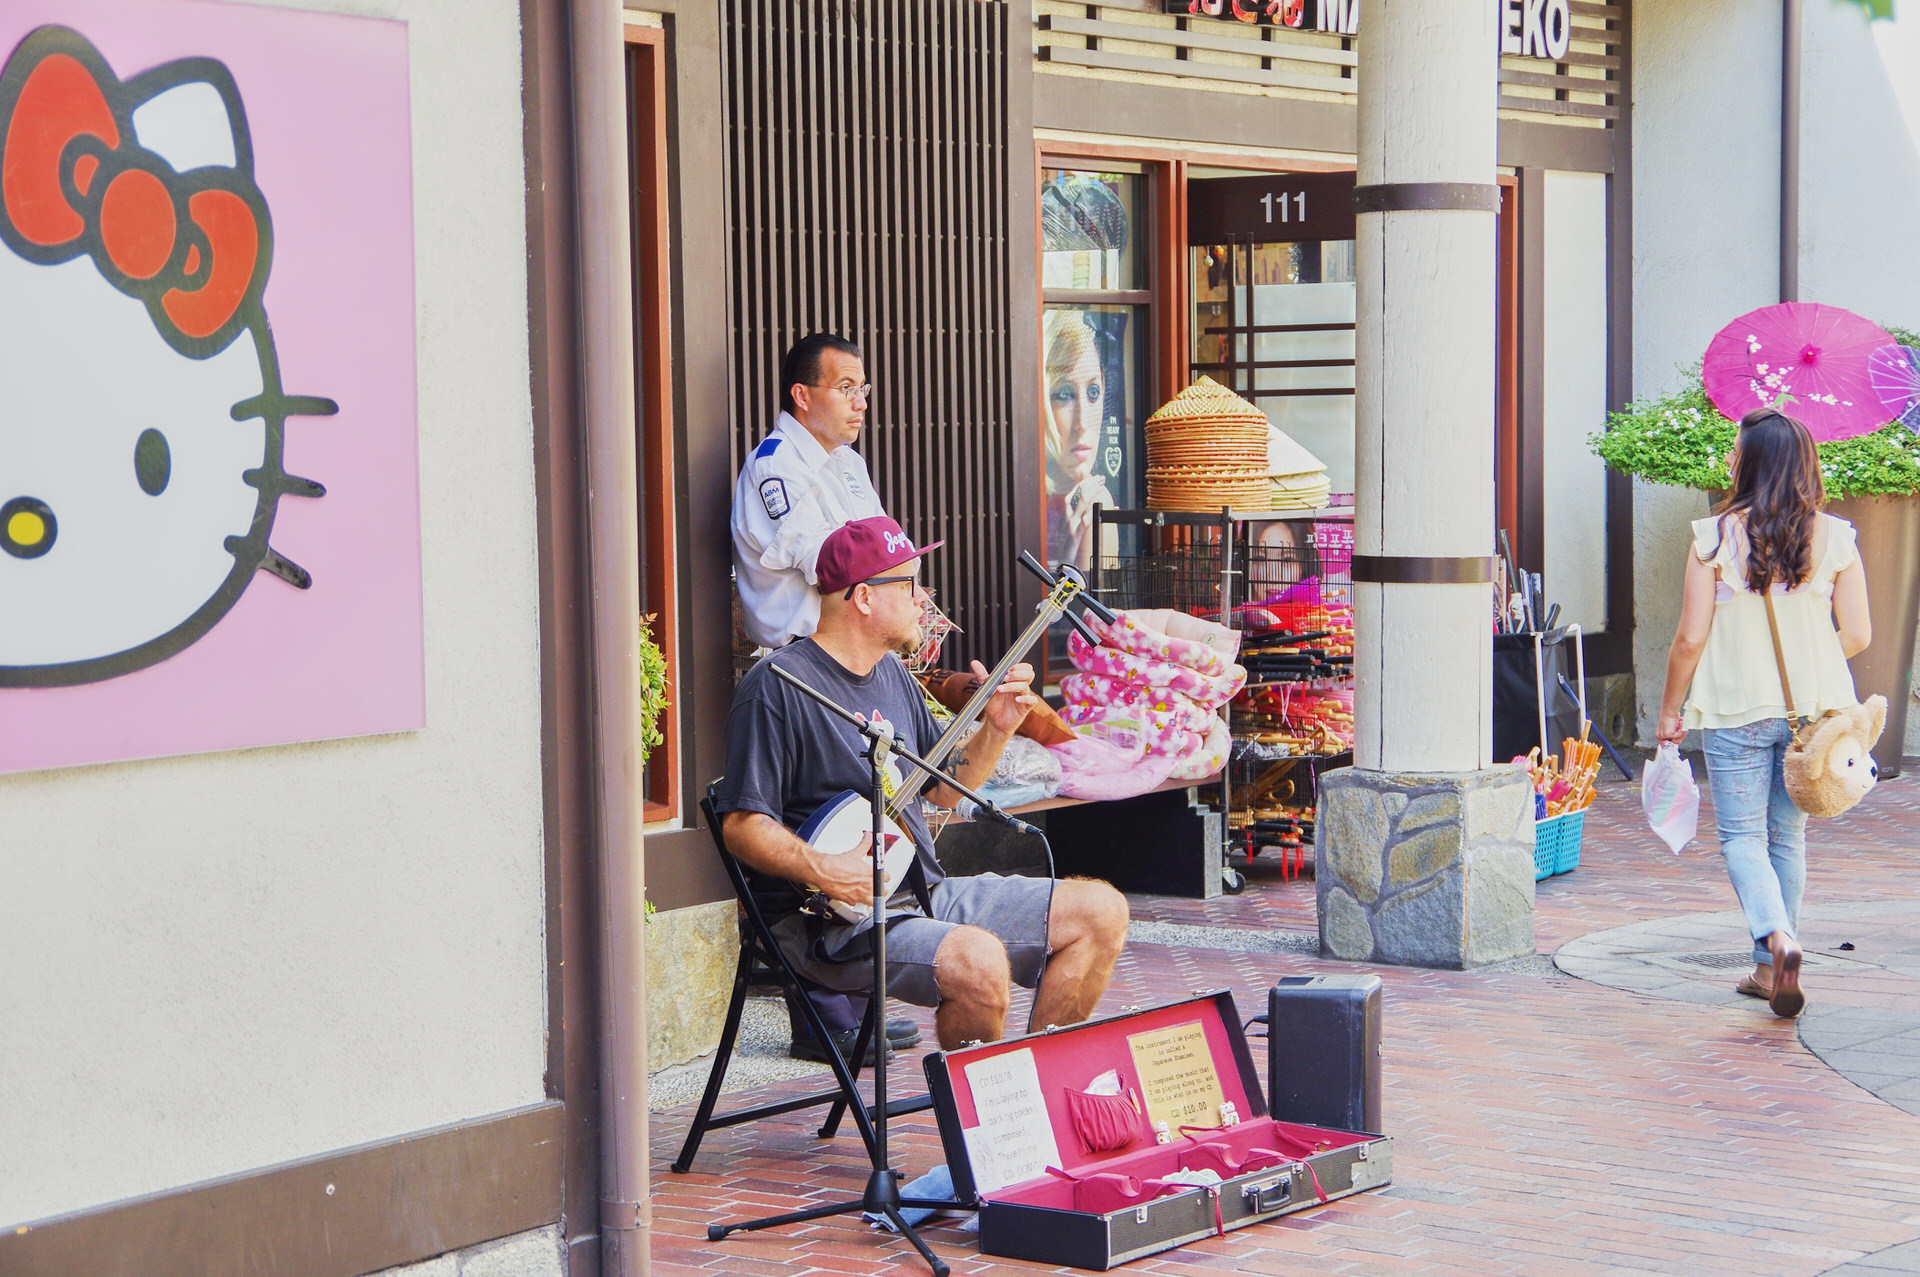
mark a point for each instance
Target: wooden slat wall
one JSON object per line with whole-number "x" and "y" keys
{"x": 1157, "y": 44}
{"x": 1583, "y": 87}
{"x": 868, "y": 170}
{"x": 1580, "y": 90}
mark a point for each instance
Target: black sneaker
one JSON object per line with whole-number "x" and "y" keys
{"x": 810, "y": 1048}
{"x": 902, "y": 1033}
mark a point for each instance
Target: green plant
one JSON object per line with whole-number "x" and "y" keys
{"x": 1681, "y": 439}
{"x": 653, "y": 688}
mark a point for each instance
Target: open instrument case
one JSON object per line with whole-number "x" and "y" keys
{"x": 1065, "y": 1177}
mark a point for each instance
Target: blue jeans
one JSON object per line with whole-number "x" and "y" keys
{"x": 1762, "y": 834}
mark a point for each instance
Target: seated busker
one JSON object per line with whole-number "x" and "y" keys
{"x": 956, "y": 944}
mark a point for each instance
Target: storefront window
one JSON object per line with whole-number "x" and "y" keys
{"x": 1090, "y": 228}
{"x": 1093, "y": 334}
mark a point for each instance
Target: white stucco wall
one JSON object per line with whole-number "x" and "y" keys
{"x": 216, "y": 963}
{"x": 1860, "y": 183}
{"x": 1706, "y": 154}
{"x": 1574, "y": 356}
{"x": 1706, "y": 219}
{"x": 1859, "y": 172}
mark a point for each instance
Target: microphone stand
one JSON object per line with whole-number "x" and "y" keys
{"x": 882, "y": 1195}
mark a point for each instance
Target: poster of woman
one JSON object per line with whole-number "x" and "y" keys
{"x": 1083, "y": 421}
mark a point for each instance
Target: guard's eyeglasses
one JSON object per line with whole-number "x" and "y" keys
{"x": 852, "y": 394}
{"x": 879, "y": 581}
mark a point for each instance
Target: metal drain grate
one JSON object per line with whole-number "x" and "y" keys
{"x": 1716, "y": 961}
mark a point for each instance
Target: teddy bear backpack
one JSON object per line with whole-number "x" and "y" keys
{"x": 1829, "y": 766}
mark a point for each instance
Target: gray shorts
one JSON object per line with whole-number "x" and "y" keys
{"x": 840, "y": 957}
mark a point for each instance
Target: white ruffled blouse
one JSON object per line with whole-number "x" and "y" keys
{"x": 1738, "y": 681}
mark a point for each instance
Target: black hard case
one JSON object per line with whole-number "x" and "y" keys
{"x": 1323, "y": 1051}
{"x": 1025, "y": 1220}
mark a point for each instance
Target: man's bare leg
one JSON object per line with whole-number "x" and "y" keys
{"x": 1086, "y": 930}
{"x": 970, "y": 969}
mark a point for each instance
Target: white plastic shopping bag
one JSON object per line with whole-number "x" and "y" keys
{"x": 1670, "y": 797}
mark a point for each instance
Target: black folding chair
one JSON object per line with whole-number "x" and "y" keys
{"x": 761, "y": 962}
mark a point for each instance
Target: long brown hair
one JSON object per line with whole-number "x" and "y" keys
{"x": 1777, "y": 487}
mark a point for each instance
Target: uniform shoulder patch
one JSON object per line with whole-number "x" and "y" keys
{"x": 773, "y": 495}
{"x": 767, "y": 447}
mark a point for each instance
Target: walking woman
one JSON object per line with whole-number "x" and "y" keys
{"x": 1769, "y": 534}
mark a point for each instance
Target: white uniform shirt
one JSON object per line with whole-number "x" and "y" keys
{"x": 791, "y": 495}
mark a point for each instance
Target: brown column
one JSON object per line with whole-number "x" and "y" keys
{"x": 605, "y": 344}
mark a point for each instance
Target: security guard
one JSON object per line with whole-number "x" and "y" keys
{"x": 802, "y": 482}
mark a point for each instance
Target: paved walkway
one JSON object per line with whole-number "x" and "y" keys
{"x": 1543, "y": 1123}
{"x": 1862, "y": 973}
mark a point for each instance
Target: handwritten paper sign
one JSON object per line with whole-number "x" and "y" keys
{"x": 1014, "y": 1140}
{"x": 1177, "y": 1076}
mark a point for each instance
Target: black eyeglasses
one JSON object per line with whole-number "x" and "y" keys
{"x": 878, "y": 581}
{"x": 863, "y": 393}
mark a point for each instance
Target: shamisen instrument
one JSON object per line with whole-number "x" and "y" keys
{"x": 840, "y": 825}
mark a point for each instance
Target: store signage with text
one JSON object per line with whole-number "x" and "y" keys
{"x": 1270, "y": 208}
{"x": 1528, "y": 28}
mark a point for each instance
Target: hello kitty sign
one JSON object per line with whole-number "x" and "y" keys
{"x": 209, "y": 529}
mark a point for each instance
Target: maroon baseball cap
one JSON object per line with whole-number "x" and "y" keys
{"x": 864, "y": 549}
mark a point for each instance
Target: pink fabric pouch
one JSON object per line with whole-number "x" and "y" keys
{"x": 1104, "y": 1122}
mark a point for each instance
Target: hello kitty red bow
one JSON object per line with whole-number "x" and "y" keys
{"x": 74, "y": 179}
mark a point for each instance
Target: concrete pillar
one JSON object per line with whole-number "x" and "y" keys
{"x": 1423, "y": 859}
{"x": 1425, "y": 397}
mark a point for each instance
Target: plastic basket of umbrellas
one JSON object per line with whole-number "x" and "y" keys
{"x": 1562, "y": 792}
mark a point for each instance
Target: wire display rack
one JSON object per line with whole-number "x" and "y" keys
{"x": 1285, "y": 580}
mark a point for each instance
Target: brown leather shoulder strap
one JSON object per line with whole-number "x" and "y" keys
{"x": 1779, "y": 655}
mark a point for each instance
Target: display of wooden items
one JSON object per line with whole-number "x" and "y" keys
{"x": 1566, "y": 779}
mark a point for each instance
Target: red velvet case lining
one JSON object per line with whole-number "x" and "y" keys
{"x": 1229, "y": 1152}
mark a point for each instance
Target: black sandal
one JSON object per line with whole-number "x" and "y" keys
{"x": 1787, "y": 1000}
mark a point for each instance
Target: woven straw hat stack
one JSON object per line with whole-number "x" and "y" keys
{"x": 1207, "y": 448}
{"x": 1298, "y": 478}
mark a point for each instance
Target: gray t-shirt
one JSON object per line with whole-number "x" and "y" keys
{"x": 788, "y": 756}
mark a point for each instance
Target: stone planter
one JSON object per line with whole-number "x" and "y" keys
{"x": 1889, "y": 529}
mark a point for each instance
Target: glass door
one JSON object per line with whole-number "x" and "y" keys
{"x": 1271, "y": 288}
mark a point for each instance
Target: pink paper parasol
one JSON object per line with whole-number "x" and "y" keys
{"x": 1895, "y": 373}
{"x": 1817, "y": 356}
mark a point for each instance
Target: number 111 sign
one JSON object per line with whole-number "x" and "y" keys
{"x": 1298, "y": 198}
{"x": 1270, "y": 208}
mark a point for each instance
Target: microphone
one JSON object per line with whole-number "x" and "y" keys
{"x": 967, "y": 809}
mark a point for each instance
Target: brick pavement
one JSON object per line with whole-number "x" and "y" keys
{"x": 1542, "y": 1124}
